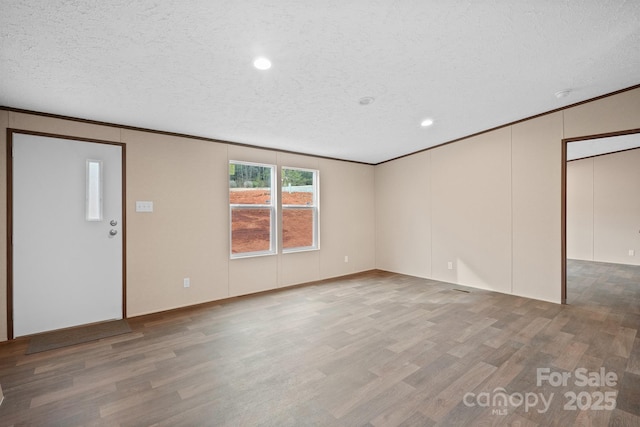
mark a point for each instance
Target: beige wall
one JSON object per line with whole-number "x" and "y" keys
{"x": 580, "y": 209}
{"x": 471, "y": 212}
{"x": 603, "y": 208}
{"x": 536, "y": 204}
{"x": 348, "y": 206}
{"x": 406, "y": 215}
{"x": 493, "y": 206}
{"x": 187, "y": 234}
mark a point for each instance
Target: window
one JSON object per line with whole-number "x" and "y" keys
{"x": 252, "y": 209}
{"x": 299, "y": 209}
{"x": 93, "y": 208}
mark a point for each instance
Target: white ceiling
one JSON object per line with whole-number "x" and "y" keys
{"x": 186, "y": 66}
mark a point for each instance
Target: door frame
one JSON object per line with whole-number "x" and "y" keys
{"x": 10, "y": 133}
{"x": 563, "y": 228}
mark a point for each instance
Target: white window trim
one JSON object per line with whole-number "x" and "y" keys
{"x": 273, "y": 244}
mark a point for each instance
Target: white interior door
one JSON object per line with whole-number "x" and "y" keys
{"x": 67, "y": 239}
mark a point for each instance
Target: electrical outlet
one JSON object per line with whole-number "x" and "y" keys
{"x": 186, "y": 282}
{"x": 450, "y": 265}
{"x": 346, "y": 258}
{"x": 632, "y": 252}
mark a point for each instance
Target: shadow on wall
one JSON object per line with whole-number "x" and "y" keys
{"x": 471, "y": 275}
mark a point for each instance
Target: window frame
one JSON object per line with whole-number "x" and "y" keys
{"x": 273, "y": 207}
{"x": 315, "y": 208}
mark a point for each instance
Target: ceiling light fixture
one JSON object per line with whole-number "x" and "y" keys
{"x": 262, "y": 63}
{"x": 367, "y": 100}
{"x": 426, "y": 123}
{"x": 562, "y": 93}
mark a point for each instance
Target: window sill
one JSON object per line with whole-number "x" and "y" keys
{"x": 251, "y": 255}
{"x": 296, "y": 250}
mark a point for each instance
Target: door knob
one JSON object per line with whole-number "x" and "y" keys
{"x": 113, "y": 223}
{"x": 113, "y": 232}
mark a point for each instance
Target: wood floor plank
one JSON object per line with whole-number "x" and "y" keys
{"x": 448, "y": 398}
{"x": 623, "y": 341}
{"x": 570, "y": 355}
{"x": 372, "y": 389}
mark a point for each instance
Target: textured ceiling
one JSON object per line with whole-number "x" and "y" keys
{"x": 186, "y": 66}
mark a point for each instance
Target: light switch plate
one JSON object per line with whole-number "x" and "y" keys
{"x": 144, "y": 206}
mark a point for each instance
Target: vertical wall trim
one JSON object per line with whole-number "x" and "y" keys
{"x": 563, "y": 224}
{"x": 375, "y": 219}
{"x": 9, "y": 234}
{"x": 229, "y": 227}
{"x": 563, "y": 214}
{"x": 511, "y": 201}
{"x": 123, "y": 158}
{"x": 593, "y": 209}
{"x": 430, "y": 196}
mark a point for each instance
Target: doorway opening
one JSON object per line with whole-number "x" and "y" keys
{"x": 601, "y": 220}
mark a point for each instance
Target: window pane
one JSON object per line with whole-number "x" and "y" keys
{"x": 249, "y": 184}
{"x": 94, "y": 190}
{"x": 297, "y": 228}
{"x": 298, "y": 187}
{"x": 250, "y": 230}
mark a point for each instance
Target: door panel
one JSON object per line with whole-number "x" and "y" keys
{"x": 67, "y": 270}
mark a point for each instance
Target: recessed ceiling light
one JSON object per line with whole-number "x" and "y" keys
{"x": 562, "y": 93}
{"x": 262, "y": 63}
{"x": 366, "y": 100}
{"x": 426, "y": 123}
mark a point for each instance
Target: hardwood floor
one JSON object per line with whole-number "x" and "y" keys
{"x": 374, "y": 349}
